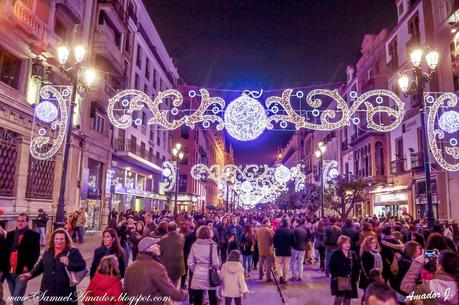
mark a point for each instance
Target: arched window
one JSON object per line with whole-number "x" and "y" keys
{"x": 379, "y": 154}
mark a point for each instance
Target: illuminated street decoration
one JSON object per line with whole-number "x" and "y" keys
{"x": 299, "y": 177}
{"x": 245, "y": 118}
{"x": 330, "y": 172}
{"x": 446, "y": 135}
{"x": 282, "y": 174}
{"x": 169, "y": 175}
{"x": 52, "y": 111}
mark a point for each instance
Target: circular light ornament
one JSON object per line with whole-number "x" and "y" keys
{"x": 167, "y": 172}
{"x": 46, "y": 112}
{"x": 246, "y": 186}
{"x": 333, "y": 173}
{"x": 282, "y": 174}
{"x": 245, "y": 118}
{"x": 449, "y": 121}
{"x": 221, "y": 186}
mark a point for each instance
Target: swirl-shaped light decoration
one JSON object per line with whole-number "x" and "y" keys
{"x": 134, "y": 100}
{"x": 330, "y": 172}
{"x": 445, "y": 136}
{"x": 169, "y": 175}
{"x": 299, "y": 177}
{"x": 51, "y": 109}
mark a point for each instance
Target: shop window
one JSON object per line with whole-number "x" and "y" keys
{"x": 182, "y": 183}
{"x": 379, "y": 151}
{"x": 10, "y": 67}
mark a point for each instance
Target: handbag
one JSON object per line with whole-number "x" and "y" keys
{"x": 214, "y": 278}
{"x": 344, "y": 283}
{"x": 75, "y": 277}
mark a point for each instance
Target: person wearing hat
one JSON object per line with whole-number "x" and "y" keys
{"x": 146, "y": 276}
{"x": 232, "y": 274}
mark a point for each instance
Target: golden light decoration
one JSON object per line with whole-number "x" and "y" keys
{"x": 44, "y": 146}
{"x": 445, "y": 136}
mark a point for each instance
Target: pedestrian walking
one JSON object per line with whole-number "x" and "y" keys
{"x": 110, "y": 246}
{"x": 300, "y": 240}
{"x": 106, "y": 284}
{"x": 319, "y": 244}
{"x": 80, "y": 223}
{"x": 265, "y": 249}
{"x": 370, "y": 258}
{"x": 172, "y": 255}
{"x": 40, "y": 222}
{"x": 23, "y": 251}
{"x": 59, "y": 257}
{"x": 332, "y": 233}
{"x": 234, "y": 234}
{"x": 135, "y": 238}
{"x": 234, "y": 286}
{"x": 282, "y": 242}
{"x": 203, "y": 255}
{"x": 3, "y": 260}
{"x": 247, "y": 249}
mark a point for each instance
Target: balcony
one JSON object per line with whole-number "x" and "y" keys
{"x": 417, "y": 160}
{"x": 105, "y": 45}
{"x": 137, "y": 154}
{"x": 72, "y": 8}
{"x": 115, "y": 8}
{"x": 397, "y": 167}
{"x": 18, "y": 15}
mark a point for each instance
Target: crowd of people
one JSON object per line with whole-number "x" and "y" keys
{"x": 195, "y": 256}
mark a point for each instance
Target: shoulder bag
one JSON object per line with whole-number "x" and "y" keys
{"x": 214, "y": 278}
{"x": 344, "y": 283}
{"x": 75, "y": 277}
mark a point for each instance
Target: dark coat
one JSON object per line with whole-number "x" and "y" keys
{"x": 28, "y": 250}
{"x": 340, "y": 265}
{"x": 234, "y": 235}
{"x": 352, "y": 233}
{"x": 99, "y": 253}
{"x": 172, "y": 255}
{"x": 332, "y": 234}
{"x": 387, "y": 254}
{"x": 368, "y": 262}
{"x": 300, "y": 238}
{"x": 55, "y": 280}
{"x": 283, "y": 241}
{"x": 3, "y": 257}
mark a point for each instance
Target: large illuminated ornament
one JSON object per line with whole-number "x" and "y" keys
{"x": 282, "y": 174}
{"x": 50, "y": 115}
{"x": 245, "y": 118}
{"x": 330, "y": 172}
{"x": 169, "y": 175}
{"x": 443, "y": 141}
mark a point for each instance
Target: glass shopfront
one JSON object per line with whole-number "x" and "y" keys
{"x": 391, "y": 204}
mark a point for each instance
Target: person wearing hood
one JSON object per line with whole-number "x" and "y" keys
{"x": 147, "y": 277}
{"x": 442, "y": 289}
{"x": 203, "y": 255}
{"x": 232, "y": 274}
{"x": 105, "y": 287}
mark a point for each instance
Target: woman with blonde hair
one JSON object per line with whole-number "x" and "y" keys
{"x": 56, "y": 260}
{"x": 370, "y": 258}
{"x": 106, "y": 283}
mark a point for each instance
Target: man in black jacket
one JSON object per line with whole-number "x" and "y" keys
{"x": 282, "y": 241}
{"x": 349, "y": 231}
{"x": 332, "y": 233}
{"x": 23, "y": 250}
{"x": 300, "y": 239}
{"x": 42, "y": 220}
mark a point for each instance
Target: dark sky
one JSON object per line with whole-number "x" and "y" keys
{"x": 266, "y": 44}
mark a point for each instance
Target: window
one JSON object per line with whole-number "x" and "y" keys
{"x": 158, "y": 138}
{"x": 142, "y": 150}
{"x": 152, "y": 134}
{"x": 157, "y": 157}
{"x": 151, "y": 155}
{"x": 379, "y": 156}
{"x": 147, "y": 68}
{"x": 160, "y": 84}
{"x": 98, "y": 123}
{"x": 139, "y": 57}
{"x": 400, "y": 9}
{"x": 155, "y": 83}
{"x": 413, "y": 30}
{"x": 10, "y": 67}
{"x": 133, "y": 145}
{"x": 61, "y": 30}
{"x": 145, "y": 89}
{"x": 182, "y": 183}
{"x": 399, "y": 148}
{"x": 184, "y": 132}
{"x": 420, "y": 139}
{"x": 392, "y": 49}
{"x": 137, "y": 81}
{"x": 127, "y": 42}
{"x": 144, "y": 119}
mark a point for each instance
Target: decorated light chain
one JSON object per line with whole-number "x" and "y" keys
{"x": 245, "y": 118}
{"x": 50, "y": 114}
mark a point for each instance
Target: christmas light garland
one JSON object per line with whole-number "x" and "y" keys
{"x": 169, "y": 175}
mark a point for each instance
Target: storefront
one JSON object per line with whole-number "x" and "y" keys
{"x": 91, "y": 193}
{"x": 391, "y": 202}
{"x": 185, "y": 202}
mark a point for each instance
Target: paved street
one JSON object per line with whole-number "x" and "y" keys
{"x": 314, "y": 290}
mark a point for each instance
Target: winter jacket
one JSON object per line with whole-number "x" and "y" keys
{"x": 265, "y": 241}
{"x": 234, "y": 234}
{"x": 107, "y": 286}
{"x": 81, "y": 219}
{"x": 442, "y": 288}
{"x": 148, "y": 277}
{"x": 28, "y": 251}
{"x": 99, "y": 253}
{"x": 300, "y": 238}
{"x": 283, "y": 241}
{"x": 172, "y": 256}
{"x": 55, "y": 280}
{"x": 199, "y": 262}
{"x": 350, "y": 232}
{"x": 232, "y": 275}
{"x": 340, "y": 265}
{"x": 332, "y": 234}
{"x": 41, "y": 220}
{"x": 248, "y": 244}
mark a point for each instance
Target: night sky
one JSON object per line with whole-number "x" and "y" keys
{"x": 266, "y": 44}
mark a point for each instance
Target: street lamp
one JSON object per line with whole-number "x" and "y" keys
{"x": 178, "y": 154}
{"x": 416, "y": 86}
{"x": 81, "y": 78}
{"x": 321, "y": 148}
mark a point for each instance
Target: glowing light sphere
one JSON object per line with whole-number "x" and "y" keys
{"x": 449, "y": 121}
{"x": 245, "y": 118}
{"x": 246, "y": 186}
{"x": 167, "y": 172}
{"x": 46, "y": 112}
{"x": 282, "y": 174}
{"x": 333, "y": 173}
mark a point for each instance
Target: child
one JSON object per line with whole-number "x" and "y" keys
{"x": 106, "y": 281}
{"x": 232, "y": 274}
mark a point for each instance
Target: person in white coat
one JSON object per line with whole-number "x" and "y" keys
{"x": 233, "y": 281}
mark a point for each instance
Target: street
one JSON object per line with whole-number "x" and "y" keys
{"x": 313, "y": 290}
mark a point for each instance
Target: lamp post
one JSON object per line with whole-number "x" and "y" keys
{"x": 416, "y": 86}
{"x": 321, "y": 148}
{"x": 178, "y": 154}
{"x": 81, "y": 78}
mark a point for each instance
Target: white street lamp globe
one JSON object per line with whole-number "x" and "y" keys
{"x": 432, "y": 59}
{"x": 62, "y": 54}
{"x": 403, "y": 82}
{"x": 416, "y": 57}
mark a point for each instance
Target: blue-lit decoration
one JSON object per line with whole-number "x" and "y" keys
{"x": 245, "y": 118}
{"x": 449, "y": 121}
{"x": 46, "y": 112}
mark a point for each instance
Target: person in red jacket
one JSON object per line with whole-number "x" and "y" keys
{"x": 105, "y": 287}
